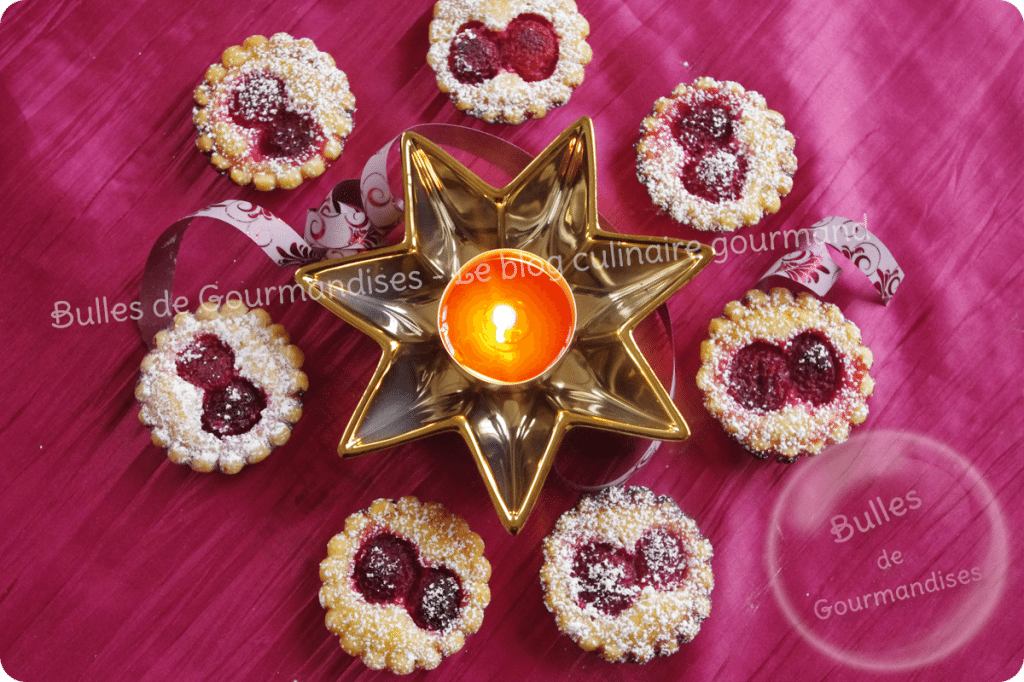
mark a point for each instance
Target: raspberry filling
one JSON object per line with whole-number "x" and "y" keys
{"x": 607, "y": 578}
{"x": 474, "y": 55}
{"x": 388, "y": 570}
{"x": 528, "y": 46}
{"x": 703, "y": 128}
{"x": 233, "y": 409}
{"x": 261, "y": 103}
{"x": 257, "y": 100}
{"x": 611, "y": 578}
{"x": 436, "y": 599}
{"x": 717, "y": 176}
{"x": 232, "y": 404}
{"x": 764, "y": 377}
{"x": 813, "y": 368}
{"x": 717, "y": 168}
{"x": 292, "y": 136}
{"x": 207, "y": 363}
{"x": 660, "y": 560}
{"x": 531, "y": 47}
{"x": 758, "y": 377}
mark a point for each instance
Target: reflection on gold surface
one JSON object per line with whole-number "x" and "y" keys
{"x": 601, "y": 381}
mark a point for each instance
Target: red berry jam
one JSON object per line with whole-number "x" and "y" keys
{"x": 704, "y": 127}
{"x": 291, "y": 136}
{"x": 232, "y": 404}
{"x": 207, "y": 363}
{"x": 813, "y": 368}
{"x": 436, "y": 600}
{"x": 717, "y": 176}
{"x": 257, "y": 100}
{"x": 474, "y": 55}
{"x": 233, "y": 409}
{"x": 758, "y": 377}
{"x": 607, "y": 578}
{"x": 528, "y": 46}
{"x": 660, "y": 560}
{"x": 611, "y": 578}
{"x": 717, "y": 168}
{"x": 261, "y": 102}
{"x": 764, "y": 377}
{"x": 386, "y": 568}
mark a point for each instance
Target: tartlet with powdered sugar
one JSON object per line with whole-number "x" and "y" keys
{"x": 714, "y": 157}
{"x": 404, "y": 584}
{"x": 221, "y": 388}
{"x": 627, "y": 575}
{"x": 273, "y": 112}
{"x": 785, "y": 375}
{"x": 508, "y": 61}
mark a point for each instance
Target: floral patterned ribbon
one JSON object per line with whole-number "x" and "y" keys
{"x": 355, "y": 216}
{"x": 814, "y": 268}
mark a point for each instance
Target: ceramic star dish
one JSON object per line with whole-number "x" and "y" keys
{"x": 549, "y": 210}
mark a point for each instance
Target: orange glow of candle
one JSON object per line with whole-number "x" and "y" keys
{"x": 507, "y": 316}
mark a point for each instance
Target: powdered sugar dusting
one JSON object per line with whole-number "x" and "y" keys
{"x": 762, "y": 141}
{"x": 173, "y": 407}
{"x": 259, "y": 83}
{"x": 717, "y": 169}
{"x": 799, "y": 427}
{"x": 661, "y": 613}
{"x": 506, "y": 97}
{"x": 386, "y": 635}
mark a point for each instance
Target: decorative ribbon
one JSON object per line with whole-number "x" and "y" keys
{"x": 814, "y": 268}
{"x": 355, "y": 216}
{"x": 331, "y": 231}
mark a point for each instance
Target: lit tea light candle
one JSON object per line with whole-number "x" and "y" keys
{"x": 507, "y": 316}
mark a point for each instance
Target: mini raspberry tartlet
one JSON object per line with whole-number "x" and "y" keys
{"x": 404, "y": 584}
{"x": 627, "y": 575}
{"x": 714, "y": 157}
{"x": 221, "y": 388}
{"x": 273, "y": 112}
{"x": 785, "y": 375}
{"x": 508, "y": 61}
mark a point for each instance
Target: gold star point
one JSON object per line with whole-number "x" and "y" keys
{"x": 603, "y": 380}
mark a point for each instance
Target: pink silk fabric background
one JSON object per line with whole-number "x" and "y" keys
{"x": 117, "y": 565}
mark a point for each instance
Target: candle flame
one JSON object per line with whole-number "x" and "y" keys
{"x": 503, "y": 317}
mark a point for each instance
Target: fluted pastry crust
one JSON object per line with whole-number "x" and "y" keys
{"x": 798, "y": 426}
{"x": 757, "y": 157}
{"x": 659, "y": 616}
{"x": 283, "y": 82}
{"x": 507, "y": 97}
{"x": 173, "y": 407}
{"x": 386, "y": 635}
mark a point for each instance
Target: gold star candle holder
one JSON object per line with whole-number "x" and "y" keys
{"x": 512, "y": 425}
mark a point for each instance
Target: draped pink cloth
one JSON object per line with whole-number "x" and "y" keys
{"x": 117, "y": 565}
